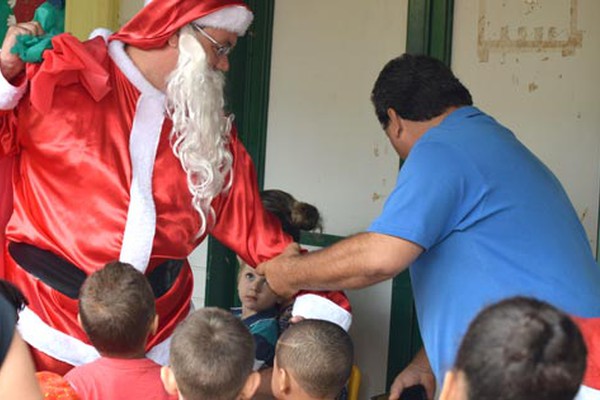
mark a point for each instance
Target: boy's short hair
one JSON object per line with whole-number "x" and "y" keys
{"x": 318, "y": 354}
{"x": 117, "y": 308}
{"x": 212, "y": 355}
{"x": 521, "y": 349}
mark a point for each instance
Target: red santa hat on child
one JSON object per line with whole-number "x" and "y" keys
{"x": 160, "y": 19}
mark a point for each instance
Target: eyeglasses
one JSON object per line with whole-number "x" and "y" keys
{"x": 221, "y": 49}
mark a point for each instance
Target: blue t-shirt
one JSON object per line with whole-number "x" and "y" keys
{"x": 264, "y": 328}
{"x": 494, "y": 223}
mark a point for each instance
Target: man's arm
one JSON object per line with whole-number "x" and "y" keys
{"x": 11, "y": 64}
{"x": 355, "y": 262}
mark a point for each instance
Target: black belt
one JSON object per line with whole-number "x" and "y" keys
{"x": 65, "y": 277}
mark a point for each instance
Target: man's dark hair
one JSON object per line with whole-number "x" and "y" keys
{"x": 117, "y": 308}
{"x": 522, "y": 349}
{"x": 417, "y": 88}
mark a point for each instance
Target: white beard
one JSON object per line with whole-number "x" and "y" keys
{"x": 201, "y": 131}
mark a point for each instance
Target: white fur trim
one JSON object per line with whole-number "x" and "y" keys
{"x": 116, "y": 50}
{"x": 312, "y": 306}
{"x": 587, "y": 393}
{"x": 54, "y": 342}
{"x": 143, "y": 142}
{"x": 69, "y": 349}
{"x": 141, "y": 216}
{"x": 103, "y": 32}
{"x": 9, "y": 94}
{"x": 234, "y": 19}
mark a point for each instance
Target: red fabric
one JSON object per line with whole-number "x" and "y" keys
{"x": 118, "y": 379}
{"x": 338, "y": 298}
{"x": 24, "y": 9}
{"x": 160, "y": 19}
{"x": 55, "y": 387}
{"x": 590, "y": 329}
{"x": 43, "y": 362}
{"x": 72, "y": 178}
{"x": 6, "y": 164}
{"x": 70, "y": 62}
{"x": 73, "y": 174}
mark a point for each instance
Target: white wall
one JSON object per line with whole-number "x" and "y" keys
{"x": 546, "y": 90}
{"x": 324, "y": 144}
{"x": 128, "y": 9}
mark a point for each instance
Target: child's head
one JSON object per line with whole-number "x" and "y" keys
{"x": 13, "y": 295}
{"x": 117, "y": 310}
{"x": 212, "y": 354}
{"x": 254, "y": 292}
{"x": 313, "y": 358}
{"x": 518, "y": 349}
{"x": 293, "y": 214}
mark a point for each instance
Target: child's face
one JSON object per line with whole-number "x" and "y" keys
{"x": 255, "y": 294}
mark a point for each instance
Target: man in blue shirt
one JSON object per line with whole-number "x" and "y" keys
{"x": 474, "y": 214}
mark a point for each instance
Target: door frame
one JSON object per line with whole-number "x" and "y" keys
{"x": 248, "y": 93}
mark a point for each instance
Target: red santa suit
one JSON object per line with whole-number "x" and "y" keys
{"x": 95, "y": 179}
{"x": 590, "y": 387}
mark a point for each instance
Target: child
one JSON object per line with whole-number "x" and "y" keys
{"x": 117, "y": 312}
{"x": 211, "y": 358}
{"x": 260, "y": 305}
{"x": 259, "y": 312}
{"x": 518, "y": 349}
{"x": 313, "y": 360}
{"x": 295, "y": 216}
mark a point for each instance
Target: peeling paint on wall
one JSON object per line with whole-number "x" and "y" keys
{"x": 535, "y": 29}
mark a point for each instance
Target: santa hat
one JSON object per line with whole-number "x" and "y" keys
{"x": 160, "y": 19}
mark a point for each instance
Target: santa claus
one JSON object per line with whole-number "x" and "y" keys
{"x": 122, "y": 151}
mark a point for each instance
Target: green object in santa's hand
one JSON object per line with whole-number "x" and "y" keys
{"x": 51, "y": 16}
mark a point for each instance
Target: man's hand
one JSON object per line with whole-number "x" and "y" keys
{"x": 418, "y": 372}
{"x": 274, "y": 271}
{"x": 11, "y": 65}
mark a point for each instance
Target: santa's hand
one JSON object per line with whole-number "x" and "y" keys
{"x": 11, "y": 64}
{"x": 275, "y": 269}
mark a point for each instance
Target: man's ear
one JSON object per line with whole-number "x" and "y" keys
{"x": 455, "y": 386}
{"x": 173, "y": 40}
{"x": 250, "y": 387}
{"x": 395, "y": 123}
{"x": 168, "y": 380}
{"x": 283, "y": 380}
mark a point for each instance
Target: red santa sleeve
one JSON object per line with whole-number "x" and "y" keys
{"x": 243, "y": 225}
{"x": 590, "y": 330}
{"x": 10, "y": 96}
